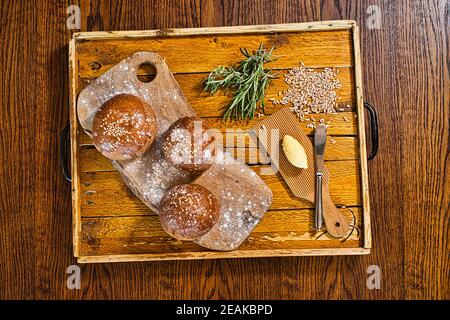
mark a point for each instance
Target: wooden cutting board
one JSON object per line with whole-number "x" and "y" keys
{"x": 150, "y": 175}
{"x": 302, "y": 182}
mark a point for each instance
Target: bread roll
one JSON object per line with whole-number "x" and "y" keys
{"x": 188, "y": 146}
{"x": 188, "y": 211}
{"x": 124, "y": 127}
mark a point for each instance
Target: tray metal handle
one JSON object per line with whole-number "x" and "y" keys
{"x": 374, "y": 130}
{"x": 63, "y": 153}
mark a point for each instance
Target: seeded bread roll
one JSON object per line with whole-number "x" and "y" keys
{"x": 124, "y": 127}
{"x": 188, "y": 211}
{"x": 188, "y": 146}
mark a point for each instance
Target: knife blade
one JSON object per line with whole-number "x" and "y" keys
{"x": 320, "y": 138}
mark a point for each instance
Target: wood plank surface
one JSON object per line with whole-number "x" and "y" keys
{"x": 406, "y": 78}
{"x": 186, "y": 54}
{"x": 340, "y": 124}
{"x": 288, "y": 229}
{"x": 206, "y": 105}
{"x": 105, "y": 194}
{"x": 343, "y": 148}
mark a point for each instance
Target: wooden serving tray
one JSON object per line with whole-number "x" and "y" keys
{"x": 111, "y": 224}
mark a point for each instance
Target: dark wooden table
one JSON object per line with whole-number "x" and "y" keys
{"x": 406, "y": 78}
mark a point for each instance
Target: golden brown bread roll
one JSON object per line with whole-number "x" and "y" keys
{"x": 188, "y": 211}
{"x": 124, "y": 127}
{"x": 188, "y": 146}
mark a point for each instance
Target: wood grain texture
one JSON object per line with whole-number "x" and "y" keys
{"x": 144, "y": 235}
{"x": 317, "y": 49}
{"x": 345, "y": 148}
{"x": 206, "y": 105}
{"x": 406, "y": 78}
{"x": 341, "y": 124}
{"x": 16, "y": 176}
{"x": 100, "y": 191}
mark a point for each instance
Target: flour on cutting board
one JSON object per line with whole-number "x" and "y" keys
{"x": 243, "y": 196}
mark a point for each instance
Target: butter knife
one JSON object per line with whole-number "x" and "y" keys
{"x": 320, "y": 137}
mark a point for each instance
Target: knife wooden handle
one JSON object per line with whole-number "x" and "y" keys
{"x": 335, "y": 222}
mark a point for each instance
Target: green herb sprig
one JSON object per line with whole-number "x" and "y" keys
{"x": 249, "y": 79}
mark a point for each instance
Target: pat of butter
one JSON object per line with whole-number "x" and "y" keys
{"x": 295, "y": 153}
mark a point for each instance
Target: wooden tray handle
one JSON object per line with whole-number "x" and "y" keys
{"x": 336, "y": 224}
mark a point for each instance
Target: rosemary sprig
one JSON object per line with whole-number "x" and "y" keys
{"x": 249, "y": 79}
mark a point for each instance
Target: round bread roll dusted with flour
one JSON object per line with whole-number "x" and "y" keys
{"x": 188, "y": 211}
{"x": 124, "y": 127}
{"x": 188, "y": 146}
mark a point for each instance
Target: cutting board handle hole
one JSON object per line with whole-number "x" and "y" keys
{"x": 337, "y": 224}
{"x": 146, "y": 72}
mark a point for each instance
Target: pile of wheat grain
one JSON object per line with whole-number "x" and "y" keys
{"x": 310, "y": 92}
